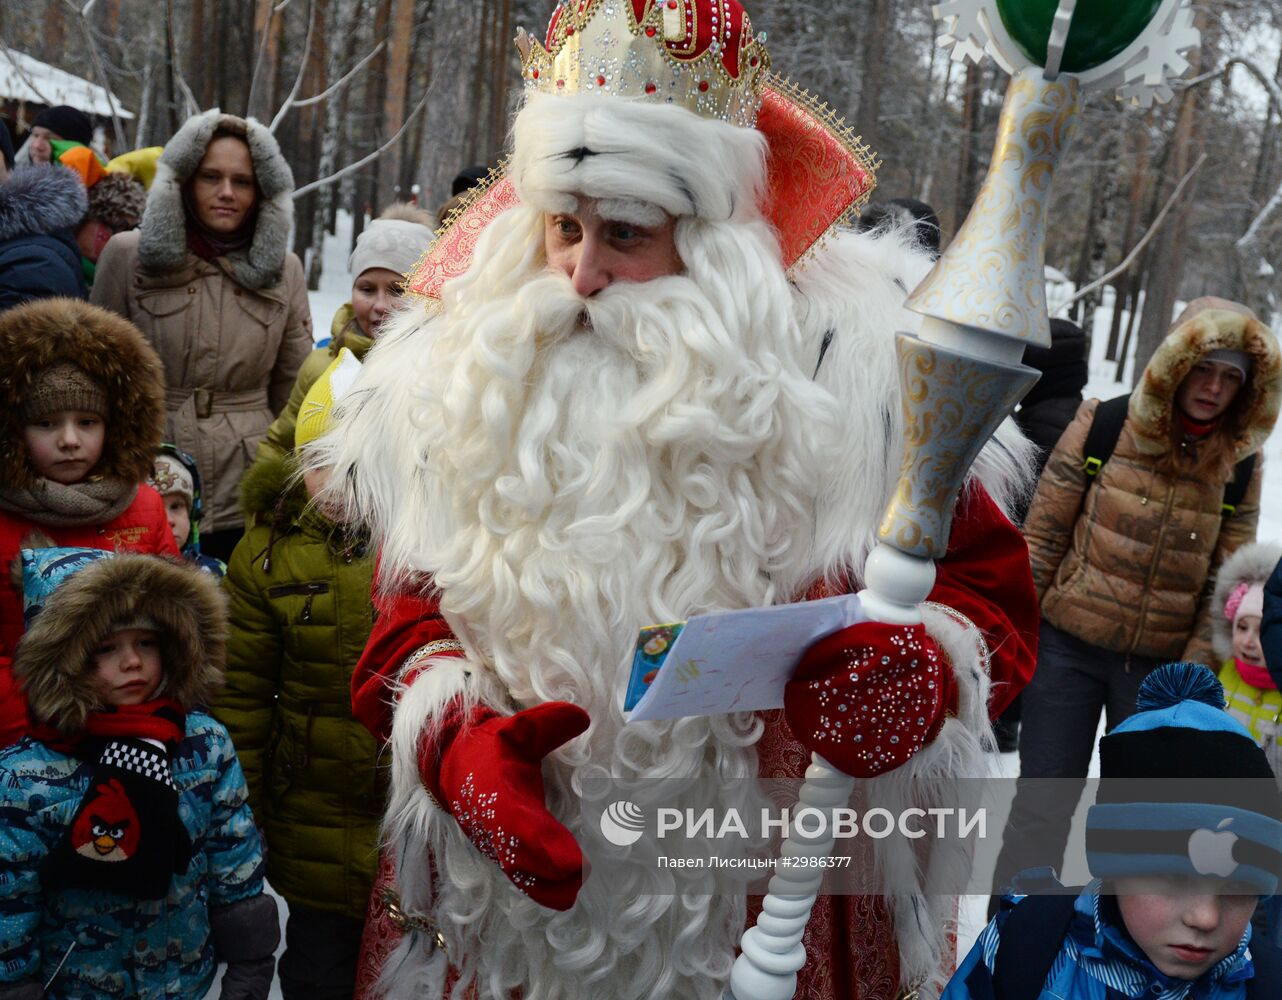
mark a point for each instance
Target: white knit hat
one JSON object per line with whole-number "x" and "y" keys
{"x": 393, "y": 244}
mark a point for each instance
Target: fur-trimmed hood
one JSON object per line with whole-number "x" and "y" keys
{"x": 41, "y": 199}
{"x": 162, "y": 245}
{"x": 1252, "y": 563}
{"x": 186, "y": 604}
{"x": 1209, "y": 325}
{"x": 107, "y": 348}
{"x": 273, "y": 492}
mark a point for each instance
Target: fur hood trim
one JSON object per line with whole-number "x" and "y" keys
{"x": 1152, "y": 403}
{"x": 187, "y": 605}
{"x": 162, "y": 243}
{"x": 40, "y": 199}
{"x": 1252, "y": 563}
{"x": 108, "y": 349}
{"x": 272, "y": 492}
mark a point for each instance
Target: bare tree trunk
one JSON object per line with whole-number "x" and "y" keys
{"x": 172, "y": 121}
{"x": 268, "y": 27}
{"x": 1127, "y": 286}
{"x": 878, "y": 24}
{"x": 1166, "y": 262}
{"x": 1091, "y": 267}
{"x": 967, "y": 159}
{"x": 398, "y": 75}
{"x": 53, "y": 32}
{"x": 337, "y": 45}
{"x": 928, "y": 185}
{"x": 202, "y": 67}
{"x": 146, "y": 103}
{"x": 307, "y": 141}
{"x": 476, "y": 142}
{"x": 500, "y": 76}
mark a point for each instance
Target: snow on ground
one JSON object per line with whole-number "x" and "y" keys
{"x": 335, "y": 283}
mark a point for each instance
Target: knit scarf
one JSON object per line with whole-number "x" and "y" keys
{"x": 127, "y": 836}
{"x": 92, "y": 501}
{"x": 1196, "y": 428}
{"x": 1255, "y": 675}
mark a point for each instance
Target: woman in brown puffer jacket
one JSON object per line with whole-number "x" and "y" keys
{"x": 1124, "y": 566}
{"x": 209, "y": 280}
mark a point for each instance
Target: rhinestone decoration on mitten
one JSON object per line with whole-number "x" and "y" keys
{"x": 478, "y": 819}
{"x": 878, "y": 709}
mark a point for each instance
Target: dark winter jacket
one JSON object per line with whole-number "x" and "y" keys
{"x": 40, "y": 208}
{"x": 113, "y": 353}
{"x": 125, "y": 947}
{"x": 1271, "y": 625}
{"x": 301, "y": 614}
{"x": 1128, "y": 562}
{"x": 1099, "y": 961}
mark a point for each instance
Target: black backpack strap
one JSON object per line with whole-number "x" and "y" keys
{"x": 1266, "y": 984}
{"x": 1106, "y": 428}
{"x": 1032, "y": 936}
{"x": 1235, "y": 489}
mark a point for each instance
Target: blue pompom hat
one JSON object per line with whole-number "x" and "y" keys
{"x": 1185, "y": 790}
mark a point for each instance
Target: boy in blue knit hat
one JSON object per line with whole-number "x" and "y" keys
{"x": 1179, "y": 867}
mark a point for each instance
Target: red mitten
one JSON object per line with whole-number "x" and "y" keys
{"x": 870, "y": 696}
{"x": 486, "y": 770}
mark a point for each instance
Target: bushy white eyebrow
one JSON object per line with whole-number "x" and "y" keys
{"x": 630, "y": 210}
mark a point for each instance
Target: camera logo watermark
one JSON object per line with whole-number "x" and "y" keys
{"x": 622, "y": 824}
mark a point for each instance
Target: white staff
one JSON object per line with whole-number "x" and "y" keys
{"x": 983, "y": 303}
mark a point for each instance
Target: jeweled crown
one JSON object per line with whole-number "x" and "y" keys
{"x": 697, "y": 54}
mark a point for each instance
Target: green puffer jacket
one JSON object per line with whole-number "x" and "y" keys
{"x": 300, "y": 613}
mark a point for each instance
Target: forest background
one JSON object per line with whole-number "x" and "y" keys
{"x": 414, "y": 90}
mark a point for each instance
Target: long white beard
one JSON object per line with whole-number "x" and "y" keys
{"x": 582, "y": 482}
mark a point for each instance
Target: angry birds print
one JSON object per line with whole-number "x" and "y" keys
{"x": 107, "y": 828}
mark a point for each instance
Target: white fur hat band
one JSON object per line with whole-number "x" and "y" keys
{"x": 636, "y": 156}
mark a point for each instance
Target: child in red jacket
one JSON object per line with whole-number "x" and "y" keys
{"x": 81, "y": 418}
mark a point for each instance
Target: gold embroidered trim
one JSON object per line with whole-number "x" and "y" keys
{"x": 981, "y": 644}
{"x": 474, "y": 195}
{"x": 859, "y": 150}
{"x": 433, "y": 648}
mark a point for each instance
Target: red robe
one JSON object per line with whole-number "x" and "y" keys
{"x": 985, "y": 576}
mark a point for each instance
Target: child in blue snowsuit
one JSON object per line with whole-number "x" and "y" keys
{"x": 1168, "y": 914}
{"x": 129, "y": 860}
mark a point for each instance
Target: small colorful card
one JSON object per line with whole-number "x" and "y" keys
{"x": 728, "y": 661}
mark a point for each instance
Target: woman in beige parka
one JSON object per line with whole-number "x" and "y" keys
{"x": 1125, "y": 565}
{"x": 209, "y": 280}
